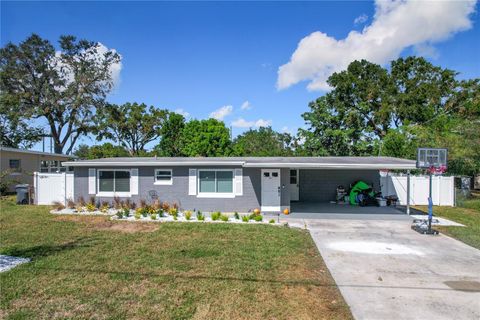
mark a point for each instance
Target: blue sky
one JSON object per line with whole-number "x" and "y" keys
{"x": 202, "y": 56}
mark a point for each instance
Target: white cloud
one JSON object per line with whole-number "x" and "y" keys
{"x": 221, "y": 113}
{"x": 285, "y": 129}
{"x": 242, "y": 123}
{"x": 397, "y": 25}
{"x": 182, "y": 112}
{"x": 361, "y": 19}
{"x": 246, "y": 106}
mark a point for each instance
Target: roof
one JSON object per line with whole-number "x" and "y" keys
{"x": 255, "y": 162}
{"x": 59, "y": 155}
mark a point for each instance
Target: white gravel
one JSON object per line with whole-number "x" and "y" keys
{"x": 9, "y": 262}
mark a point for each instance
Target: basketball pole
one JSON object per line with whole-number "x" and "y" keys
{"x": 430, "y": 204}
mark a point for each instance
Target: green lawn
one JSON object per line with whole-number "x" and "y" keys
{"x": 467, "y": 213}
{"x": 93, "y": 268}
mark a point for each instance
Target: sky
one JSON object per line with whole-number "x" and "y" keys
{"x": 250, "y": 64}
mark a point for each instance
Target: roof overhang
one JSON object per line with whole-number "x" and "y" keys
{"x": 149, "y": 163}
{"x": 354, "y": 166}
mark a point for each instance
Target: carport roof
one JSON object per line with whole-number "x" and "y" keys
{"x": 255, "y": 162}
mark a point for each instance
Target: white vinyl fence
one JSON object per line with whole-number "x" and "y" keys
{"x": 443, "y": 189}
{"x": 50, "y": 187}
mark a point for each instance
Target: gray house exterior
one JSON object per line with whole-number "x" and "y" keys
{"x": 227, "y": 184}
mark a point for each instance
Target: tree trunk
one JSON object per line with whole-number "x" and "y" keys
{"x": 58, "y": 148}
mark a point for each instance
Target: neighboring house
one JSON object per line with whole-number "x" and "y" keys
{"x": 19, "y": 164}
{"x": 227, "y": 184}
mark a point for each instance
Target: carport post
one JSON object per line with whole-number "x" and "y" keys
{"x": 408, "y": 192}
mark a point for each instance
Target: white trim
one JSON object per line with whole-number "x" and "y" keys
{"x": 192, "y": 182}
{"x": 238, "y": 181}
{"x": 271, "y": 208}
{"x": 330, "y": 166}
{"x": 113, "y": 193}
{"x": 88, "y": 163}
{"x": 92, "y": 181}
{"x": 216, "y": 194}
{"x": 162, "y": 182}
{"x": 134, "y": 181}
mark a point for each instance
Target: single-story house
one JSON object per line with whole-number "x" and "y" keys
{"x": 227, "y": 184}
{"x": 20, "y": 164}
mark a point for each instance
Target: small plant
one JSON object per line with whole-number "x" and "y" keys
{"x": 165, "y": 206}
{"x": 91, "y": 200}
{"x": 142, "y": 211}
{"x": 215, "y": 215}
{"x": 157, "y": 205}
{"x": 104, "y": 206}
{"x": 200, "y": 216}
{"x": 245, "y": 218}
{"x": 137, "y": 215}
{"x": 126, "y": 212}
{"x": 175, "y": 205}
{"x": 258, "y": 218}
{"x": 160, "y": 213}
{"x": 91, "y": 207}
{"x": 173, "y": 212}
{"x": 271, "y": 221}
{"x": 236, "y": 215}
{"x": 57, "y": 205}
{"x": 117, "y": 203}
{"x": 153, "y": 216}
{"x": 143, "y": 203}
{"x": 81, "y": 201}
{"x": 70, "y": 204}
{"x": 119, "y": 214}
{"x": 188, "y": 214}
{"x": 224, "y": 218}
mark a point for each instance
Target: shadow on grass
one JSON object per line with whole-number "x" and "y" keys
{"x": 42, "y": 251}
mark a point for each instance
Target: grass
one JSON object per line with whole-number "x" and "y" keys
{"x": 93, "y": 268}
{"x": 467, "y": 213}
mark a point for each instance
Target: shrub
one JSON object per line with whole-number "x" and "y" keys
{"x": 173, "y": 212}
{"x": 70, "y": 204}
{"x": 245, "y": 218}
{"x": 271, "y": 221}
{"x": 119, "y": 214}
{"x": 153, "y": 216}
{"x": 188, "y": 214}
{"x": 215, "y": 215}
{"x": 142, "y": 211}
{"x": 105, "y": 206}
{"x": 200, "y": 216}
{"x": 236, "y": 215}
{"x": 224, "y": 218}
{"x": 81, "y": 201}
{"x": 91, "y": 207}
{"x": 258, "y": 217}
{"x": 57, "y": 205}
{"x": 160, "y": 212}
{"x": 137, "y": 215}
{"x": 126, "y": 212}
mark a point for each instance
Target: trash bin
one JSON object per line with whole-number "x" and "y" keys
{"x": 22, "y": 193}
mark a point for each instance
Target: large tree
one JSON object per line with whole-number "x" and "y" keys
{"x": 264, "y": 142}
{"x": 171, "y": 132}
{"x": 106, "y": 150}
{"x": 132, "y": 125}
{"x": 60, "y": 87}
{"x": 205, "y": 138}
{"x": 367, "y": 102}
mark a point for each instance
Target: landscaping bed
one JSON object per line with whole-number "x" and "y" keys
{"x": 92, "y": 267}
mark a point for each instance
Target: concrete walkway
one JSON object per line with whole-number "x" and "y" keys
{"x": 387, "y": 271}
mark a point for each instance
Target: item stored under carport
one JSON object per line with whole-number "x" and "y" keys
{"x": 362, "y": 194}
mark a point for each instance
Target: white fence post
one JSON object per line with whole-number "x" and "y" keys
{"x": 51, "y": 187}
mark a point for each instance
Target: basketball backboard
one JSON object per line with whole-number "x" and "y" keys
{"x": 432, "y": 158}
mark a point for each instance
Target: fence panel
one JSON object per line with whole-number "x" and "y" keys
{"x": 50, "y": 187}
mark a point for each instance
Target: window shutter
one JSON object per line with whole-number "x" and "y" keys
{"x": 134, "y": 181}
{"x": 92, "y": 180}
{"x": 192, "y": 182}
{"x": 238, "y": 182}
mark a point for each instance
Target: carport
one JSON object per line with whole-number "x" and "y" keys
{"x": 309, "y": 184}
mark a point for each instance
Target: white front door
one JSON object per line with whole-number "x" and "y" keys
{"x": 271, "y": 190}
{"x": 294, "y": 183}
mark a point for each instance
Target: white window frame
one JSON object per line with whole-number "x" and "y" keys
{"x": 216, "y": 194}
{"x": 163, "y": 182}
{"x": 110, "y": 193}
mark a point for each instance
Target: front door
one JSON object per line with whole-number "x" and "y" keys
{"x": 294, "y": 183}
{"x": 271, "y": 190}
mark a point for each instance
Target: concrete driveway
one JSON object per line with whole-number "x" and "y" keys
{"x": 387, "y": 271}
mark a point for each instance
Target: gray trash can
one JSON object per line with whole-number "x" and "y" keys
{"x": 22, "y": 193}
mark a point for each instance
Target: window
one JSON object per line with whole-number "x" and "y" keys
{"x": 14, "y": 164}
{"x": 293, "y": 176}
{"x": 52, "y": 166}
{"x": 163, "y": 176}
{"x": 113, "y": 181}
{"x": 219, "y": 182}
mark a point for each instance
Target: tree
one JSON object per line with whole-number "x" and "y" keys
{"x": 264, "y": 142}
{"x": 371, "y": 111}
{"x": 205, "y": 138}
{"x": 132, "y": 125}
{"x": 62, "y": 87}
{"x": 171, "y": 133}
{"x": 106, "y": 150}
